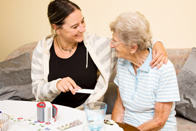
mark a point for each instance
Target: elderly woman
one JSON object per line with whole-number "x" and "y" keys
{"x": 146, "y": 95}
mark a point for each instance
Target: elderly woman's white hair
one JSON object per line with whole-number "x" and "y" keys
{"x": 132, "y": 28}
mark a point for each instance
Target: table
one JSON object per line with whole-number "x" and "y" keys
{"x": 24, "y": 117}
{"x": 127, "y": 127}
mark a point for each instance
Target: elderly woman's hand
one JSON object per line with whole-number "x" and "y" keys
{"x": 159, "y": 55}
{"x": 67, "y": 84}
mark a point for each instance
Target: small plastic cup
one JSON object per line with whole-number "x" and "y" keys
{"x": 4, "y": 118}
{"x": 95, "y": 113}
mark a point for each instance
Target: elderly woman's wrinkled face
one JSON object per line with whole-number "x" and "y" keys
{"x": 121, "y": 49}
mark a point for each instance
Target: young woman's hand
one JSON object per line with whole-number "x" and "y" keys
{"x": 67, "y": 84}
{"x": 159, "y": 55}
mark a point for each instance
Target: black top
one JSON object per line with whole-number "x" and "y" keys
{"x": 75, "y": 68}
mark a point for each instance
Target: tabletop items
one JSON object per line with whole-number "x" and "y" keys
{"x": 69, "y": 125}
{"x": 23, "y": 118}
{"x": 4, "y": 118}
{"x": 109, "y": 122}
{"x": 46, "y": 112}
{"x": 95, "y": 113}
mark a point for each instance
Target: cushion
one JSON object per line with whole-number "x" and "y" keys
{"x": 111, "y": 94}
{"x": 178, "y": 57}
{"x": 15, "y": 78}
{"x": 110, "y": 97}
{"x": 23, "y": 49}
{"x": 185, "y": 125}
{"x": 187, "y": 86}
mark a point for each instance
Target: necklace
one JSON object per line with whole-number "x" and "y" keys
{"x": 68, "y": 49}
{"x": 64, "y": 48}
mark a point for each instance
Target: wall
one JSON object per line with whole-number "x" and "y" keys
{"x": 25, "y": 21}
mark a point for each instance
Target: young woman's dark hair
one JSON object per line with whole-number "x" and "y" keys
{"x": 58, "y": 10}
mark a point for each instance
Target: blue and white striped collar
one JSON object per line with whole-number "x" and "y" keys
{"x": 145, "y": 66}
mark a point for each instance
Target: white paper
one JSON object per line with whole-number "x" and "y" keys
{"x": 85, "y": 91}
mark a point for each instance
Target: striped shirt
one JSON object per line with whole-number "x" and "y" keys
{"x": 140, "y": 92}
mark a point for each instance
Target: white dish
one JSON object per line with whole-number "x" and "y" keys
{"x": 105, "y": 127}
{"x": 85, "y": 128}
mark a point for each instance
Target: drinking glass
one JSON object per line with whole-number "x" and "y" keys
{"x": 4, "y": 120}
{"x": 95, "y": 113}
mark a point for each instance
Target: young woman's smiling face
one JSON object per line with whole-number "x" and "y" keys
{"x": 73, "y": 28}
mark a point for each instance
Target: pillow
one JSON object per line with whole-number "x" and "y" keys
{"x": 110, "y": 97}
{"x": 187, "y": 86}
{"x": 15, "y": 78}
{"x": 111, "y": 94}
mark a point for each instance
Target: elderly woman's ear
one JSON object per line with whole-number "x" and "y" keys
{"x": 133, "y": 48}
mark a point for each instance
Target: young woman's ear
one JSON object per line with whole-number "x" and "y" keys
{"x": 133, "y": 48}
{"x": 55, "y": 27}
